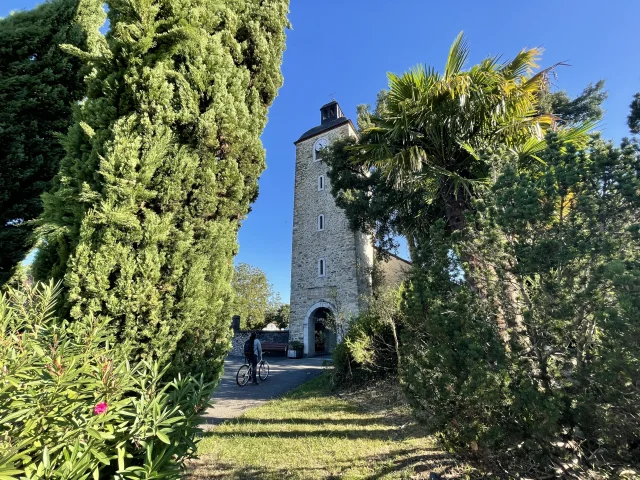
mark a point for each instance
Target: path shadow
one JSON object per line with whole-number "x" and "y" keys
{"x": 250, "y": 472}
{"x": 390, "y": 421}
{"x": 369, "y": 434}
{"x": 418, "y": 462}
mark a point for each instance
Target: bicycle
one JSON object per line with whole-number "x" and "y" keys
{"x": 245, "y": 372}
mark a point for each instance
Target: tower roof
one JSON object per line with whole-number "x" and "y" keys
{"x": 312, "y": 132}
{"x": 331, "y": 116}
{"x": 332, "y": 102}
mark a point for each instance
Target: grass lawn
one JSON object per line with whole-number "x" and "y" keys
{"x": 312, "y": 433}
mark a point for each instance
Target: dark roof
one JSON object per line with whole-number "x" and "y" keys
{"x": 327, "y": 104}
{"x": 408, "y": 262}
{"x": 321, "y": 128}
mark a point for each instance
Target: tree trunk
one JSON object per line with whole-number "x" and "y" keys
{"x": 479, "y": 274}
{"x": 455, "y": 205}
{"x": 395, "y": 341}
{"x": 411, "y": 245}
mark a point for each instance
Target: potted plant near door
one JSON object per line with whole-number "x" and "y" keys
{"x": 295, "y": 350}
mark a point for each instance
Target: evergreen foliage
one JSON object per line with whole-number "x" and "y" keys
{"x": 39, "y": 83}
{"x": 573, "y": 226}
{"x": 565, "y": 258}
{"x": 160, "y": 169}
{"x": 519, "y": 320}
{"x": 634, "y": 117}
{"x": 454, "y": 367}
{"x": 586, "y": 107}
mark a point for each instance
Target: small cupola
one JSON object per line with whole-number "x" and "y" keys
{"x": 331, "y": 116}
{"x": 330, "y": 112}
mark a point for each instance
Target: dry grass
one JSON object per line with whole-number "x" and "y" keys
{"x": 312, "y": 433}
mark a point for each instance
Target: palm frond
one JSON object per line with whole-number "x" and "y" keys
{"x": 522, "y": 65}
{"x": 472, "y": 151}
{"x": 439, "y": 128}
{"x": 458, "y": 54}
{"x": 577, "y": 133}
{"x": 533, "y": 146}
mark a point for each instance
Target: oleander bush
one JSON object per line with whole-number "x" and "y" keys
{"x": 71, "y": 406}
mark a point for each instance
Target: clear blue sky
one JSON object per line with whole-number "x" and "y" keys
{"x": 347, "y": 47}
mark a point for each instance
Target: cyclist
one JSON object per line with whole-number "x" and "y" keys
{"x": 256, "y": 355}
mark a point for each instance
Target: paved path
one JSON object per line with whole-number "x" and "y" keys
{"x": 230, "y": 400}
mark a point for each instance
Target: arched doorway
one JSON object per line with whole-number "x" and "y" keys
{"x": 319, "y": 337}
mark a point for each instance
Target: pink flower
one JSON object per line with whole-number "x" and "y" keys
{"x": 100, "y": 408}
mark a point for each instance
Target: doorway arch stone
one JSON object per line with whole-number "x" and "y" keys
{"x": 317, "y": 313}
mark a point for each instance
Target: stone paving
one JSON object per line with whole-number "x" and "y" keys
{"x": 230, "y": 400}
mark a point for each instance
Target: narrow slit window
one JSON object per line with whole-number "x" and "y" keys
{"x": 320, "y": 222}
{"x": 321, "y": 268}
{"x": 321, "y": 183}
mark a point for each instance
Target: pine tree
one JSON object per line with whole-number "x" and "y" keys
{"x": 39, "y": 83}
{"x": 564, "y": 234}
{"x": 161, "y": 167}
{"x": 633, "y": 120}
{"x": 586, "y": 107}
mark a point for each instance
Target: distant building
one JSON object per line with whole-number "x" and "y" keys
{"x": 331, "y": 265}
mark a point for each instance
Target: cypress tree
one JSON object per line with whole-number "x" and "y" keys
{"x": 161, "y": 167}
{"x": 39, "y": 83}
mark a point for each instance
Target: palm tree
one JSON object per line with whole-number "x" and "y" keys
{"x": 436, "y": 132}
{"x": 435, "y": 127}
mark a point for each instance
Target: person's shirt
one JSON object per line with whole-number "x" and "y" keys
{"x": 257, "y": 348}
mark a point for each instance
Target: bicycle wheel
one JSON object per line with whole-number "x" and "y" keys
{"x": 263, "y": 370}
{"x": 243, "y": 375}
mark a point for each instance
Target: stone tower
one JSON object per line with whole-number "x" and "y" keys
{"x": 330, "y": 264}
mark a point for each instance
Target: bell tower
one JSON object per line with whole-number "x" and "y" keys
{"x": 330, "y": 263}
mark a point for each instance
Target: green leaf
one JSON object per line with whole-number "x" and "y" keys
{"x": 94, "y": 433}
{"x": 100, "y": 456}
{"x": 163, "y": 437}
{"x": 16, "y": 414}
{"x": 121, "y": 452}
{"x": 45, "y": 457}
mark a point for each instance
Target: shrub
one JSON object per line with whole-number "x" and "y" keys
{"x": 370, "y": 348}
{"x": 454, "y": 366}
{"x": 544, "y": 358}
{"x": 71, "y": 406}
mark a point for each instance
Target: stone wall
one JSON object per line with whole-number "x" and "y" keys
{"x": 241, "y": 336}
{"x": 394, "y": 271}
